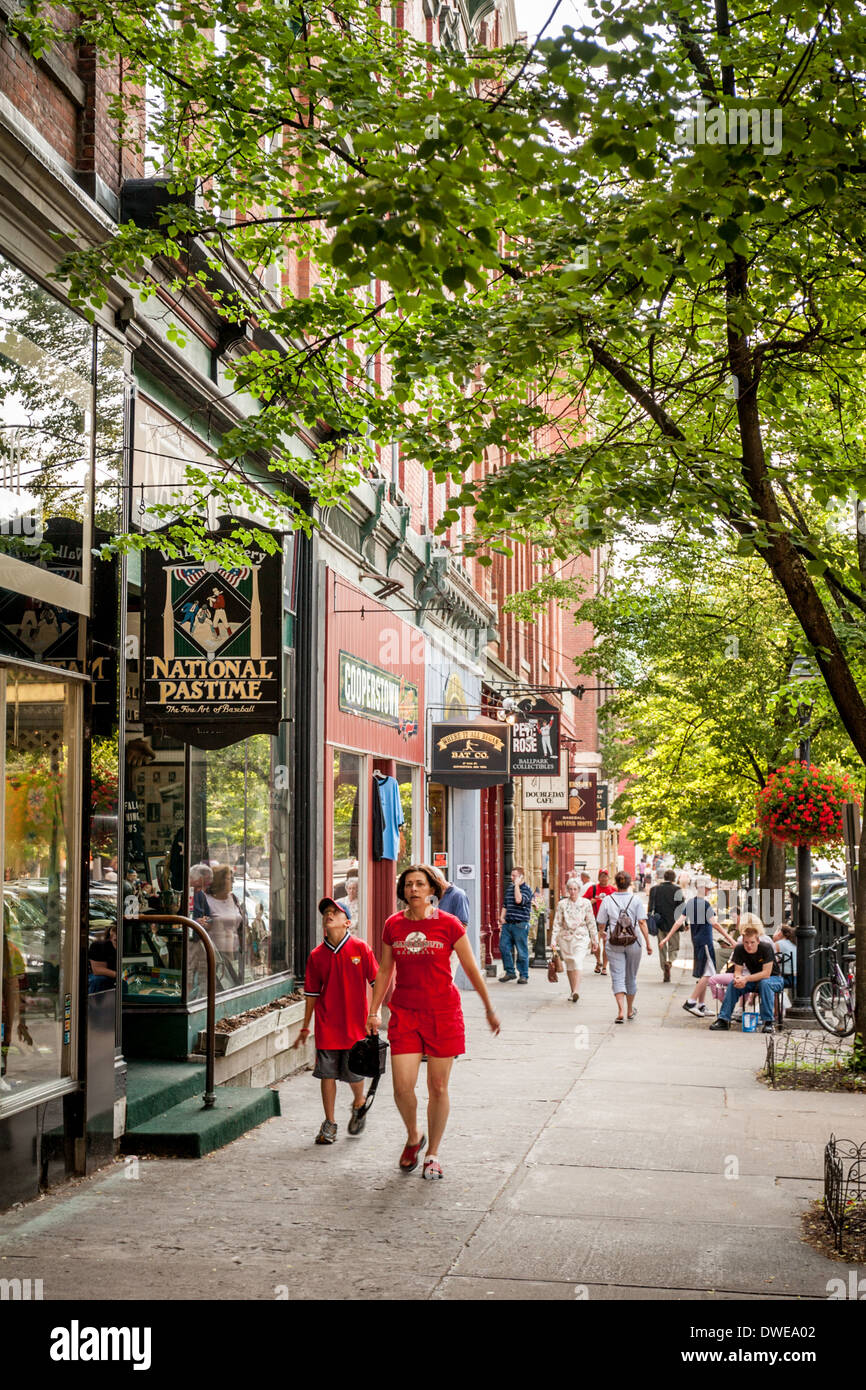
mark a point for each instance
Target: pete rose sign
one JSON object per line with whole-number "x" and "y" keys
{"x": 213, "y": 647}
{"x": 535, "y": 741}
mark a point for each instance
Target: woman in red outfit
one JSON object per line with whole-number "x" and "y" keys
{"x": 426, "y": 1014}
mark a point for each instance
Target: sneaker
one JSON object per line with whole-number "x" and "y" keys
{"x": 721, "y": 1025}
{"x": 768, "y": 1028}
{"x": 503, "y": 979}
{"x": 691, "y": 1006}
{"x": 524, "y": 980}
{"x": 357, "y": 1119}
{"x": 701, "y": 1011}
{"x": 327, "y": 1134}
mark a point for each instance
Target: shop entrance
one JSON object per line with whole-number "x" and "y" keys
{"x": 39, "y": 847}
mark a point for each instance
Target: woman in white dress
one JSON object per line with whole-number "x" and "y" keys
{"x": 574, "y": 933}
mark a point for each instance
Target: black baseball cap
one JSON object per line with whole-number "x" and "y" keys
{"x": 331, "y": 902}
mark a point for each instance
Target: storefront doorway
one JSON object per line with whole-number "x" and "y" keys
{"x": 40, "y": 848}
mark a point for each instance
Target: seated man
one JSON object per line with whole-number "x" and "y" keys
{"x": 755, "y": 970}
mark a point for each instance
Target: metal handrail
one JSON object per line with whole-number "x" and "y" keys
{"x": 210, "y": 1027}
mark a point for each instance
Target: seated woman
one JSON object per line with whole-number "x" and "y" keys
{"x": 102, "y": 962}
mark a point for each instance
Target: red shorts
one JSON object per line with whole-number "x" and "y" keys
{"x": 438, "y": 1032}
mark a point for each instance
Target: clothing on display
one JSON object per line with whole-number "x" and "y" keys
{"x": 387, "y": 817}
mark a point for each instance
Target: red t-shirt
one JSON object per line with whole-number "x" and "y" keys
{"x": 337, "y": 979}
{"x": 595, "y": 892}
{"x": 422, "y": 955}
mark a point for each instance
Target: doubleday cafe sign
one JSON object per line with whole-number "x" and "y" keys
{"x": 213, "y": 647}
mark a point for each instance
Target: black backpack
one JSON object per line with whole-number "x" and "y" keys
{"x": 623, "y": 933}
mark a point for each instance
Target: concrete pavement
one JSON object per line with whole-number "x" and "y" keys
{"x": 582, "y": 1160}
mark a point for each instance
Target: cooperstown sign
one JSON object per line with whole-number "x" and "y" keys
{"x": 376, "y": 694}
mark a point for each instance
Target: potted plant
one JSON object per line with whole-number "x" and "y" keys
{"x": 802, "y": 805}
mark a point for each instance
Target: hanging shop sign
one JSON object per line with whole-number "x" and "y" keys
{"x": 547, "y": 793}
{"x": 581, "y": 817}
{"x": 535, "y": 741}
{"x": 213, "y": 646}
{"x": 603, "y": 807}
{"x": 376, "y": 694}
{"x": 469, "y": 753}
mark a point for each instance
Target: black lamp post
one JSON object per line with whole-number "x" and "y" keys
{"x": 801, "y": 670}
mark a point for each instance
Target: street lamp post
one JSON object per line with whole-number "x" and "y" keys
{"x": 802, "y": 1005}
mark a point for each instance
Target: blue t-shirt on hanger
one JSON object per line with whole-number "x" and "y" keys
{"x": 392, "y": 814}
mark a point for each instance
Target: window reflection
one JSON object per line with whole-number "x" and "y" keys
{"x": 231, "y": 858}
{"x": 39, "y": 889}
{"x": 405, "y": 775}
{"x": 346, "y": 887}
{"x": 46, "y": 427}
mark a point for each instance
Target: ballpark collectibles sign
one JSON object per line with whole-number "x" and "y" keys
{"x": 535, "y": 742}
{"x": 582, "y": 814}
{"x": 213, "y": 647}
{"x": 469, "y": 753}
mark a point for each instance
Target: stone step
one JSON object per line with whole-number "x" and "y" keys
{"x": 188, "y": 1130}
{"x": 153, "y": 1087}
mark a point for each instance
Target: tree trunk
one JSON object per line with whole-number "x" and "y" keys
{"x": 772, "y": 884}
{"x": 860, "y": 951}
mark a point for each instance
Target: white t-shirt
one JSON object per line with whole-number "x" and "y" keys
{"x": 615, "y": 903}
{"x": 225, "y": 918}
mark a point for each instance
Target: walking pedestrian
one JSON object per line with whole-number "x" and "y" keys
{"x": 574, "y": 932}
{"x": 335, "y": 989}
{"x": 620, "y": 917}
{"x": 451, "y": 898}
{"x": 514, "y": 921}
{"x": 665, "y": 900}
{"x": 699, "y": 914}
{"x": 426, "y": 1013}
{"x": 596, "y": 893}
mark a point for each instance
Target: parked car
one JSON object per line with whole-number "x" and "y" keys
{"x": 25, "y": 913}
{"x": 835, "y": 901}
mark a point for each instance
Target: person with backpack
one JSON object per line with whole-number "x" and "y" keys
{"x": 665, "y": 902}
{"x": 621, "y": 917}
{"x": 596, "y": 893}
{"x": 699, "y": 914}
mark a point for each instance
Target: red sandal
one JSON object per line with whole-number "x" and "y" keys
{"x": 409, "y": 1156}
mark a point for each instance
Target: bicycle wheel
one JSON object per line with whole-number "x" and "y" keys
{"x": 831, "y": 1008}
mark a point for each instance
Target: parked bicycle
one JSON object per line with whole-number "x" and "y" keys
{"x": 833, "y": 995}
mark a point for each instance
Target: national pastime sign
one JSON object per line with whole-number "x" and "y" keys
{"x": 213, "y": 647}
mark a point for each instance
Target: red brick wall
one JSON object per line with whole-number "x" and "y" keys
{"x": 37, "y": 97}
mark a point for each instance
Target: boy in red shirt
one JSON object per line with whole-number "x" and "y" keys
{"x": 335, "y": 987}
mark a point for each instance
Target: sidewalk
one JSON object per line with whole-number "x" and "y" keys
{"x": 582, "y": 1160}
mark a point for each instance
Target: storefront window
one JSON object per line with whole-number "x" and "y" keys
{"x": 237, "y": 873}
{"x": 437, "y": 803}
{"x": 40, "y": 879}
{"x": 347, "y": 860}
{"x": 46, "y": 438}
{"x": 406, "y": 781}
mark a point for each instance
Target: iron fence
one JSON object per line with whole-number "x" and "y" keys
{"x": 798, "y": 1059}
{"x": 844, "y": 1186}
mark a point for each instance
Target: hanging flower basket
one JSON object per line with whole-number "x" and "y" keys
{"x": 802, "y": 805}
{"x": 745, "y": 848}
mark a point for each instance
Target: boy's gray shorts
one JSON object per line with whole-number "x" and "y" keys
{"x": 332, "y": 1065}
